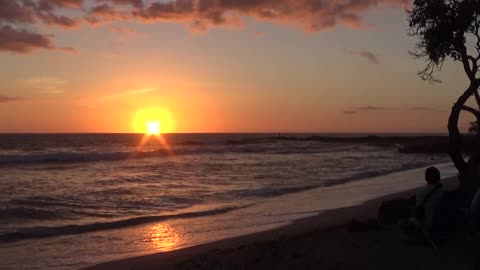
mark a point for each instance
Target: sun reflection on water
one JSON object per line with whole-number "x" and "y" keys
{"x": 162, "y": 237}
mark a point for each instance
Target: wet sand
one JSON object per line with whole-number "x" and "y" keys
{"x": 321, "y": 242}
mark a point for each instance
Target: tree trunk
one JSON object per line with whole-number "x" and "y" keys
{"x": 455, "y": 138}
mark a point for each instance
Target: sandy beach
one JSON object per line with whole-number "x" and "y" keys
{"x": 325, "y": 241}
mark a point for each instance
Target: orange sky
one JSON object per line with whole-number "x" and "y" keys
{"x": 335, "y": 68}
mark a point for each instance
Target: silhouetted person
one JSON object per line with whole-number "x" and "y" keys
{"x": 474, "y": 163}
{"x": 474, "y": 214}
{"x": 428, "y": 201}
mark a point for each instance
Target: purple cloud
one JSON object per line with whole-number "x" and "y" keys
{"x": 198, "y": 15}
{"x": 23, "y": 41}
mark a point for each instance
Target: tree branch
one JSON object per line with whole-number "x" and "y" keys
{"x": 477, "y": 97}
{"x": 477, "y": 34}
{"x": 466, "y": 63}
{"x": 474, "y": 66}
{"x": 472, "y": 110}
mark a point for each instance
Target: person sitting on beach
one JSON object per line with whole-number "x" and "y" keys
{"x": 428, "y": 200}
{"x": 474, "y": 163}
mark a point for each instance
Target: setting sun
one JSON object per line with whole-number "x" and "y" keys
{"x": 153, "y": 121}
{"x": 153, "y": 127}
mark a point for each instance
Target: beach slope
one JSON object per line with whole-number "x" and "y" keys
{"x": 326, "y": 241}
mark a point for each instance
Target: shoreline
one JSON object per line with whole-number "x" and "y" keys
{"x": 68, "y": 251}
{"x": 332, "y": 219}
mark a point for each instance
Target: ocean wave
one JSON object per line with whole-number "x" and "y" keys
{"x": 48, "y": 201}
{"x": 44, "y": 231}
{"x": 20, "y": 212}
{"x": 61, "y": 157}
{"x": 89, "y": 156}
{"x": 268, "y": 192}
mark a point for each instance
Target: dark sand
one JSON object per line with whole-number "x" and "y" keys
{"x": 320, "y": 242}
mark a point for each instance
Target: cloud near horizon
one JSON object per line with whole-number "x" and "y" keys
{"x": 368, "y": 55}
{"x": 5, "y": 99}
{"x": 16, "y": 16}
{"x": 366, "y": 109}
{"x": 426, "y": 109}
{"x": 375, "y": 108}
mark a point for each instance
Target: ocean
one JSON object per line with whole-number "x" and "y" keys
{"x": 73, "y": 200}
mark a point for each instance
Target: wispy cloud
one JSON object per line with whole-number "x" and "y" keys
{"x": 46, "y": 84}
{"x": 5, "y": 99}
{"x": 111, "y": 55}
{"x": 130, "y": 93}
{"x": 258, "y": 34}
{"x": 368, "y": 55}
{"x": 127, "y": 31}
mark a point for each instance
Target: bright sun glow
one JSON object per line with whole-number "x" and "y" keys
{"x": 153, "y": 128}
{"x": 153, "y": 121}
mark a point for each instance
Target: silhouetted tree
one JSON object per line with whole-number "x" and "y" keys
{"x": 475, "y": 128}
{"x": 450, "y": 29}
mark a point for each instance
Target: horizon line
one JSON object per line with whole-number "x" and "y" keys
{"x": 167, "y": 133}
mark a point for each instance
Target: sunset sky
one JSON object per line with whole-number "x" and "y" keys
{"x": 216, "y": 66}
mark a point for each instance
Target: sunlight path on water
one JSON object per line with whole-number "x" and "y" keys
{"x": 159, "y": 138}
